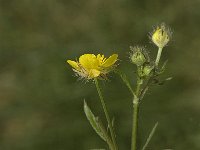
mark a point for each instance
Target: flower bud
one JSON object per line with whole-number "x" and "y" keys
{"x": 138, "y": 55}
{"x": 147, "y": 70}
{"x": 161, "y": 36}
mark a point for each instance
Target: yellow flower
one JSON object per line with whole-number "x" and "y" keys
{"x": 161, "y": 36}
{"x": 90, "y": 66}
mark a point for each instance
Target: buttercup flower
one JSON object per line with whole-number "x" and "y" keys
{"x": 161, "y": 36}
{"x": 90, "y": 66}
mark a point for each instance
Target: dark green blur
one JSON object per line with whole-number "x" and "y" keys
{"x": 41, "y": 101}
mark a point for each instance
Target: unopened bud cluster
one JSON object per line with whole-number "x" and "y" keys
{"x": 140, "y": 58}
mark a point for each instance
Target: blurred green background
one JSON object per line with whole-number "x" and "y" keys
{"x": 41, "y": 101}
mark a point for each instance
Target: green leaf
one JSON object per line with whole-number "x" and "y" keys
{"x": 150, "y": 136}
{"x": 164, "y": 65}
{"x": 125, "y": 80}
{"x": 162, "y": 69}
{"x": 113, "y": 122}
{"x": 161, "y": 82}
{"x": 95, "y": 123}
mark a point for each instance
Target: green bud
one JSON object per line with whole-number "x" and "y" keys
{"x": 147, "y": 70}
{"x": 138, "y": 55}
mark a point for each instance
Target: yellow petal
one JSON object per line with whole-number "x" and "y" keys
{"x": 161, "y": 36}
{"x": 100, "y": 58}
{"x": 110, "y": 61}
{"x": 89, "y": 61}
{"x": 158, "y": 35}
{"x": 73, "y": 64}
{"x": 93, "y": 73}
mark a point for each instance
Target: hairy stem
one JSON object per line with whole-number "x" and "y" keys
{"x": 106, "y": 114}
{"x": 135, "y": 115}
{"x": 135, "y": 124}
{"x": 158, "y": 56}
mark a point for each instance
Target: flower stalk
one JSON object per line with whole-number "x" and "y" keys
{"x": 158, "y": 56}
{"x": 106, "y": 114}
{"x": 135, "y": 114}
{"x": 135, "y": 124}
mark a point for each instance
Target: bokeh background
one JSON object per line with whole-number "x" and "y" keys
{"x": 41, "y": 101}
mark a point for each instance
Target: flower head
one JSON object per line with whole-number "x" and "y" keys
{"x": 161, "y": 35}
{"x": 90, "y": 66}
{"x": 138, "y": 55}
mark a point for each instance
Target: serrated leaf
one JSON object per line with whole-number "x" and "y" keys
{"x": 150, "y": 136}
{"x": 94, "y": 121}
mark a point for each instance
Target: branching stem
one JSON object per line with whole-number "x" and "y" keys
{"x": 135, "y": 115}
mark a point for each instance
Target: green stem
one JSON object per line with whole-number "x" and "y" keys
{"x": 135, "y": 124}
{"x": 158, "y": 56}
{"x": 135, "y": 115}
{"x": 106, "y": 114}
{"x": 146, "y": 87}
